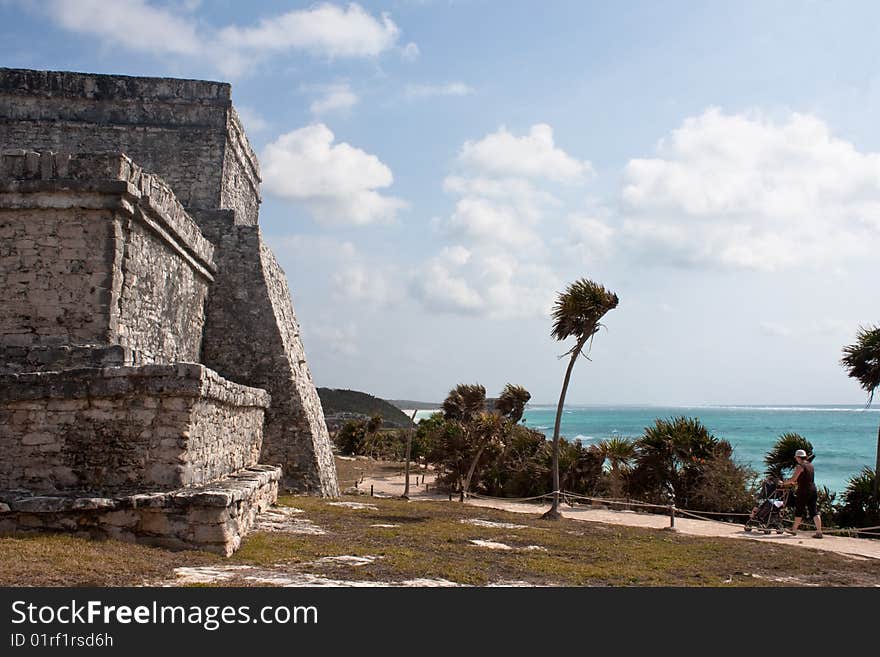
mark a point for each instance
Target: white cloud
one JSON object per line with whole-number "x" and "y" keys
{"x": 429, "y": 90}
{"x": 373, "y": 283}
{"x": 499, "y": 266}
{"x": 480, "y": 220}
{"x": 335, "y": 97}
{"x": 742, "y": 190}
{"x": 591, "y": 238}
{"x": 490, "y": 283}
{"x": 336, "y": 182}
{"x": 132, "y": 24}
{"x": 440, "y": 287}
{"x": 322, "y": 30}
{"x": 531, "y": 156}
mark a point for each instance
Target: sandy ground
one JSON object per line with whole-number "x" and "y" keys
{"x": 855, "y": 547}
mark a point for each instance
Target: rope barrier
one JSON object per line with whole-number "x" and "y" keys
{"x": 566, "y": 496}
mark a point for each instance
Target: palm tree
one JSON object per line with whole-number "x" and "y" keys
{"x": 464, "y": 402}
{"x": 489, "y": 429}
{"x": 862, "y": 359}
{"x": 670, "y": 456}
{"x": 409, "y": 439}
{"x": 512, "y": 402}
{"x": 576, "y": 314}
{"x": 619, "y": 452}
{"x": 781, "y": 456}
{"x": 463, "y": 406}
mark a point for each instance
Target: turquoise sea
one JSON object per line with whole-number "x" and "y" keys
{"x": 844, "y": 438}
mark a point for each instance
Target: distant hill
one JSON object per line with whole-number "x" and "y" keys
{"x": 344, "y": 404}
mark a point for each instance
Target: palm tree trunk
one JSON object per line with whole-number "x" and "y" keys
{"x": 467, "y": 479}
{"x": 409, "y": 439}
{"x": 553, "y": 512}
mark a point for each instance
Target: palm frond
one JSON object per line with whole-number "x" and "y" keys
{"x": 862, "y": 359}
{"x": 577, "y": 311}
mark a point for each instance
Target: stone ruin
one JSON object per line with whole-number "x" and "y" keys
{"x": 153, "y": 385}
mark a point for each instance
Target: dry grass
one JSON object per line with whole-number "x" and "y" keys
{"x": 431, "y": 541}
{"x": 59, "y": 560}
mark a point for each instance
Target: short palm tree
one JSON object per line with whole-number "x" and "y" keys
{"x": 464, "y": 406}
{"x": 489, "y": 429}
{"x": 862, "y": 359}
{"x": 576, "y": 314}
{"x": 781, "y": 457}
{"x": 619, "y": 452}
{"x": 511, "y": 403}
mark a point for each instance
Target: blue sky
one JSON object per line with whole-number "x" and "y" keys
{"x": 433, "y": 172}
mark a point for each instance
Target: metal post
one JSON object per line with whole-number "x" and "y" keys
{"x": 371, "y": 490}
{"x": 672, "y": 516}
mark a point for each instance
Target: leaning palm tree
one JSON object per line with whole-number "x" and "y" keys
{"x": 511, "y": 403}
{"x": 576, "y": 314}
{"x": 463, "y": 406}
{"x": 862, "y": 359}
{"x": 781, "y": 457}
{"x": 489, "y": 429}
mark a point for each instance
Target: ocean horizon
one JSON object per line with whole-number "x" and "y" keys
{"x": 844, "y": 436}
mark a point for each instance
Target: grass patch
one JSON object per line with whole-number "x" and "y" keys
{"x": 60, "y": 560}
{"x": 432, "y": 542}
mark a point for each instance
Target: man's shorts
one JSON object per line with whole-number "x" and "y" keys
{"x": 805, "y": 503}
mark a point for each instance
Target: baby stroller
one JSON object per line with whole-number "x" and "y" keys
{"x": 768, "y": 513}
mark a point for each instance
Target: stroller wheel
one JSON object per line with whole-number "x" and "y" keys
{"x": 779, "y": 530}
{"x": 748, "y": 528}
{"x": 766, "y": 531}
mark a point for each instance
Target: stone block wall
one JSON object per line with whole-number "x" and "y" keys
{"x": 95, "y": 251}
{"x": 125, "y": 429}
{"x": 252, "y": 336}
{"x": 185, "y": 131}
{"x": 213, "y": 517}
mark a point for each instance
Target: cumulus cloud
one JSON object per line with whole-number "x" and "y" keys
{"x": 334, "y": 97}
{"x": 336, "y": 182}
{"x": 323, "y": 30}
{"x": 743, "y": 190}
{"x": 498, "y": 265}
{"x": 534, "y": 155}
{"x": 591, "y": 238}
{"x": 133, "y": 24}
{"x": 486, "y": 283}
{"x": 429, "y": 90}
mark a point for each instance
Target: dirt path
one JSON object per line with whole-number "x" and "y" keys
{"x": 855, "y": 547}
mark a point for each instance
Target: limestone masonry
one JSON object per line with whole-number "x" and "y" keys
{"x": 150, "y": 356}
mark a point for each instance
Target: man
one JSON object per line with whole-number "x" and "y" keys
{"x": 806, "y": 494}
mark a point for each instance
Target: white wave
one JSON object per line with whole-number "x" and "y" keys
{"x": 807, "y": 409}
